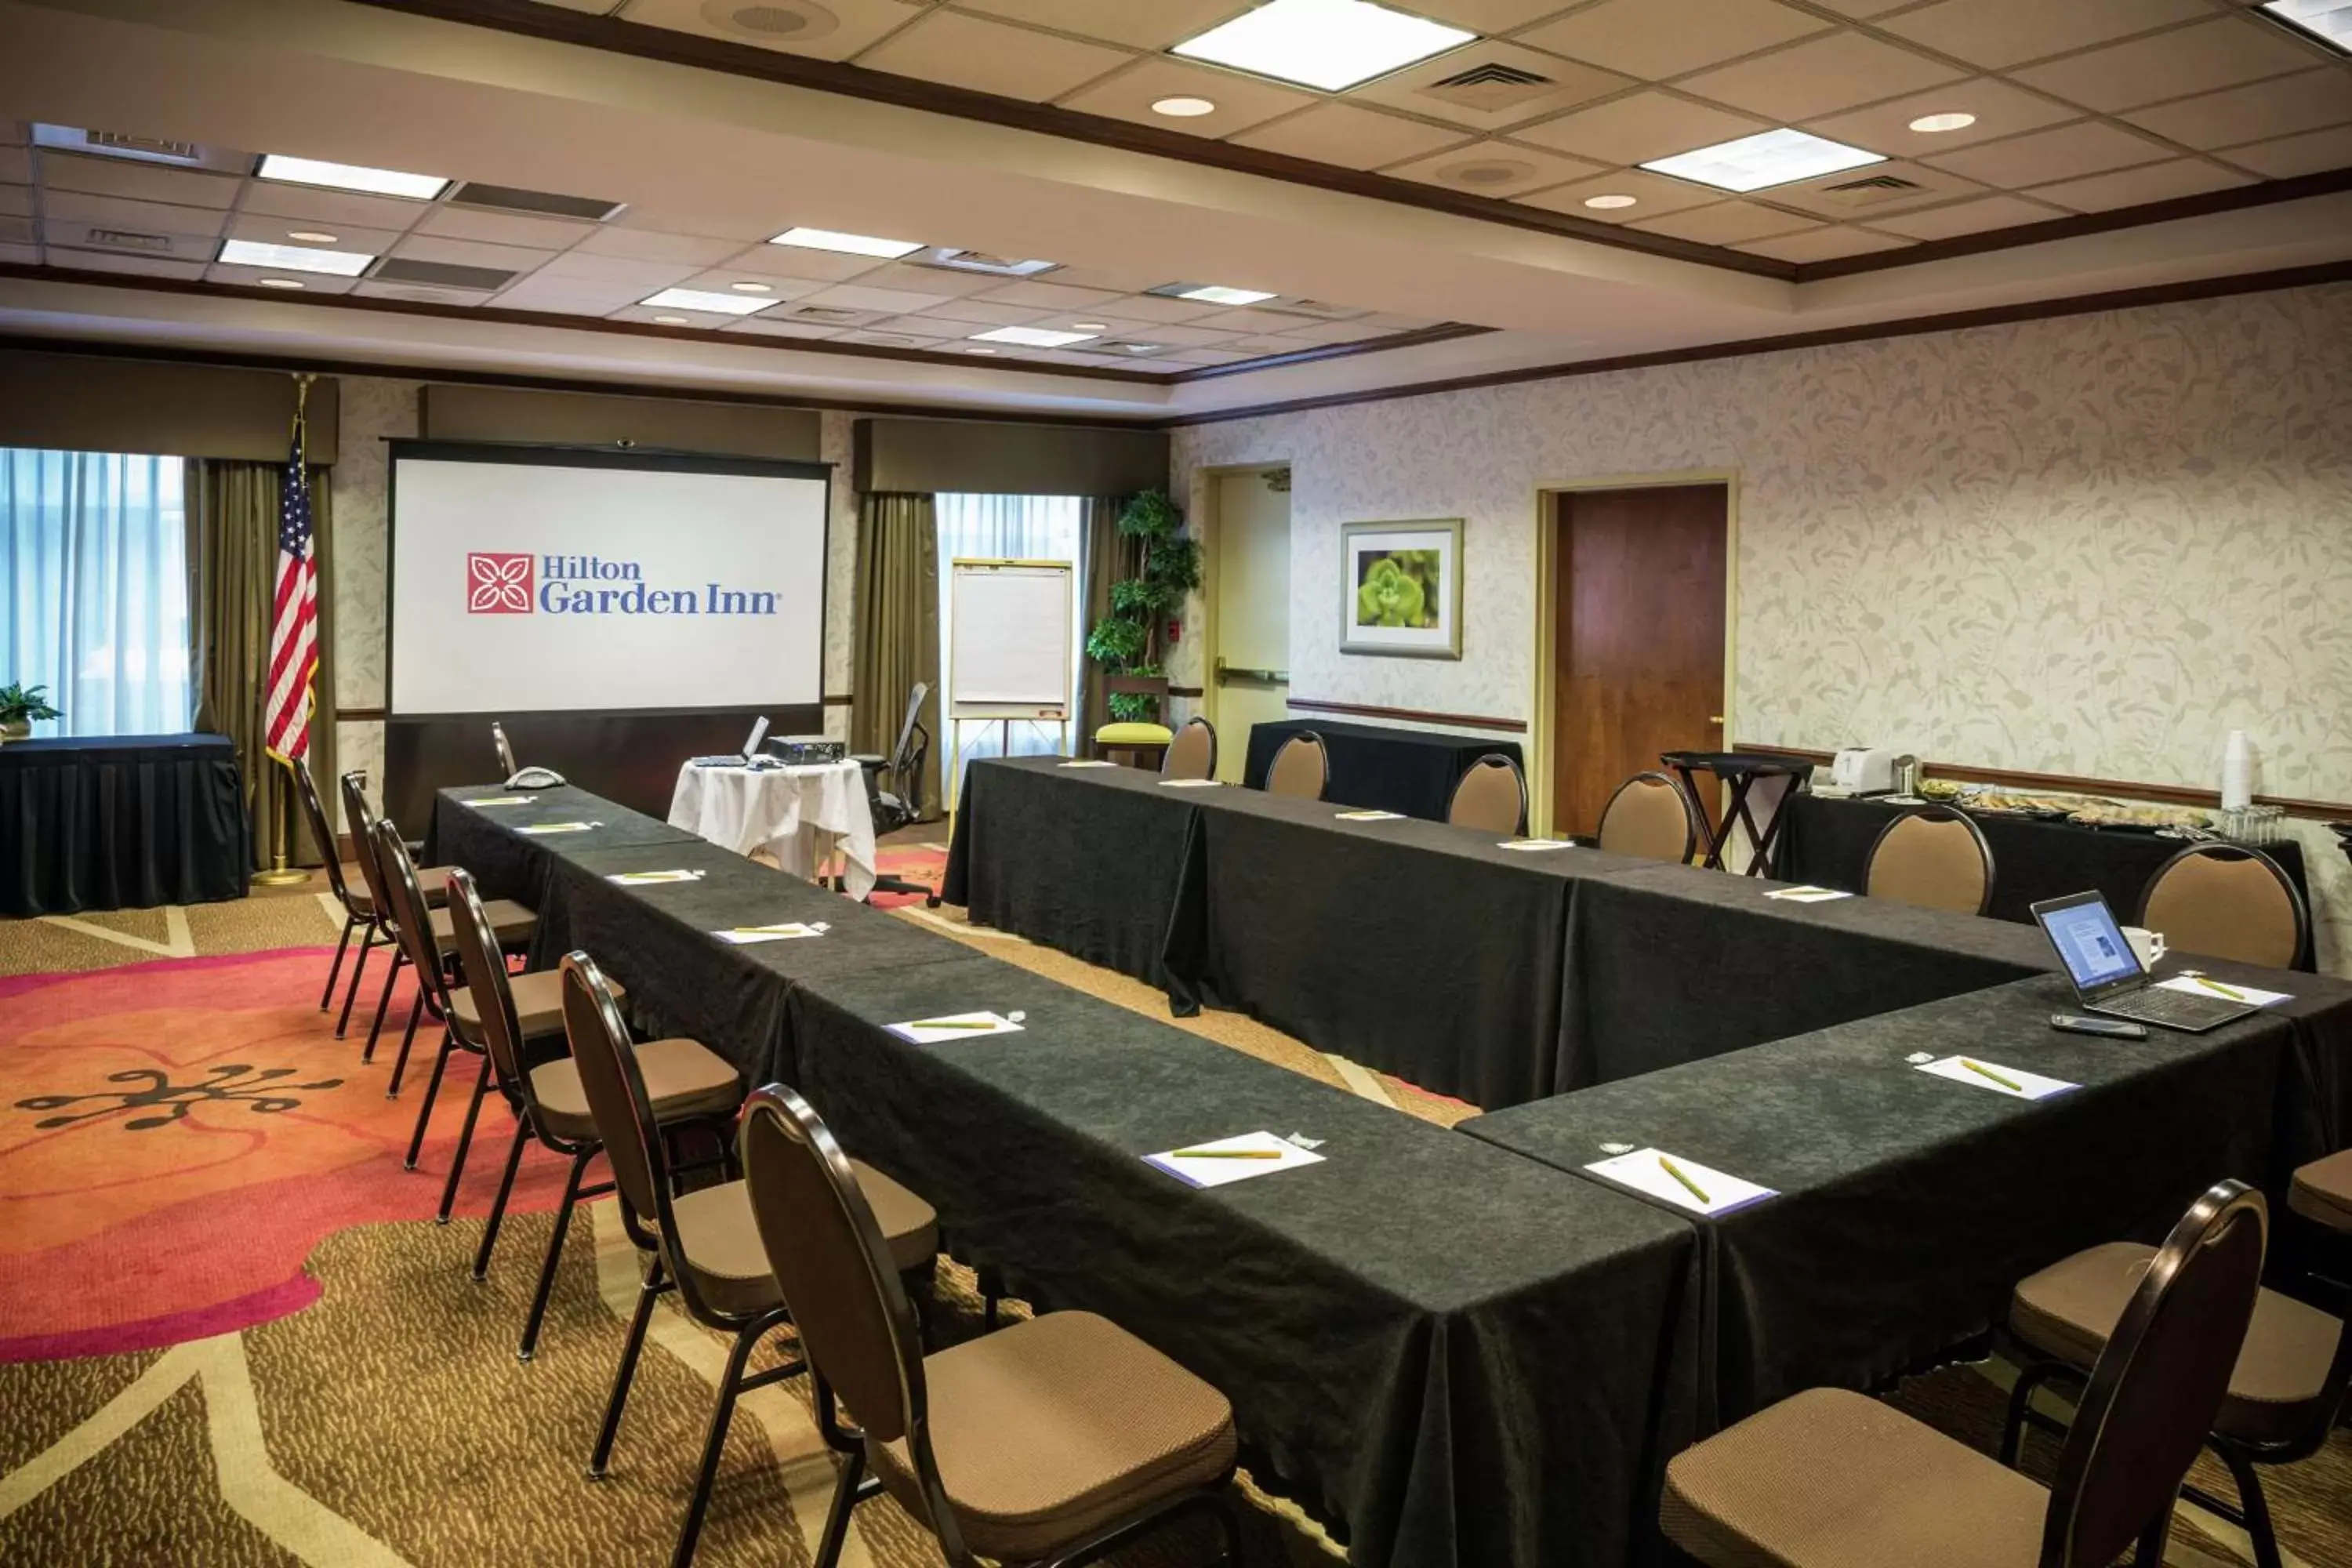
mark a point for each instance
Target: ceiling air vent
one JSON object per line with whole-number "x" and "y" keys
{"x": 139, "y": 149}
{"x": 771, "y": 21}
{"x": 544, "y": 204}
{"x": 441, "y": 274}
{"x": 63, "y": 234}
{"x": 1489, "y": 89}
{"x": 1870, "y": 192}
{"x": 830, "y": 315}
{"x": 981, "y": 261}
{"x": 128, "y": 240}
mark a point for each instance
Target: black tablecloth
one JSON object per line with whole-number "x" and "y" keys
{"x": 1411, "y": 771}
{"x": 113, "y": 822}
{"x": 1460, "y": 1355}
{"x": 1910, "y": 1204}
{"x": 1827, "y": 840}
{"x": 509, "y": 863}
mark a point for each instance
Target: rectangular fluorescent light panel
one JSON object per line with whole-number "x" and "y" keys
{"x": 1033, "y": 337}
{"x": 292, "y": 257}
{"x": 1217, "y": 294}
{"x": 1768, "y": 158}
{"x": 2330, "y": 21}
{"x": 351, "y": 177}
{"x": 1327, "y": 43}
{"x": 847, "y": 244}
{"x": 705, "y": 299}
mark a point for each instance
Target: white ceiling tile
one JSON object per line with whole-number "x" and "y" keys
{"x": 593, "y": 7}
{"x": 1653, "y": 40}
{"x": 113, "y": 212}
{"x": 880, "y": 339}
{"x": 760, "y": 326}
{"x": 1653, "y": 196}
{"x": 670, "y": 220}
{"x": 16, "y": 168}
{"x": 893, "y": 301}
{"x": 1350, "y": 137}
{"x": 2038, "y": 157}
{"x": 639, "y": 245}
{"x": 1263, "y": 323}
{"x": 502, "y": 228}
{"x": 2000, "y": 110}
{"x": 991, "y": 56}
{"x": 419, "y": 294}
{"x": 2263, "y": 112}
{"x": 251, "y": 276}
{"x": 1242, "y": 102}
{"x": 275, "y": 231}
{"x": 1421, "y": 90}
{"x": 569, "y": 296}
{"x": 12, "y": 132}
{"x": 916, "y": 279}
{"x": 1966, "y": 217}
{"x": 17, "y": 230}
{"x": 1997, "y": 33}
{"x": 17, "y": 255}
{"x": 17, "y": 200}
{"x": 1161, "y": 308}
{"x": 722, "y": 280}
{"x": 1108, "y": 281}
{"x": 833, "y": 30}
{"x": 646, "y": 313}
{"x": 2221, "y": 53}
{"x": 328, "y": 208}
{"x": 470, "y": 253}
{"x": 1820, "y": 75}
{"x": 2132, "y": 188}
{"x": 137, "y": 182}
{"x": 1334, "y": 332}
{"x": 1207, "y": 356}
{"x": 616, "y": 270}
{"x": 1825, "y": 244}
{"x": 2308, "y": 153}
{"x": 1825, "y": 197}
{"x": 934, "y": 326}
{"x": 1261, "y": 347}
{"x": 1049, "y": 297}
{"x": 1184, "y": 337}
{"x": 983, "y": 312}
{"x": 1150, "y": 25}
{"x": 1640, "y": 127}
{"x": 800, "y": 261}
{"x": 1860, "y": 9}
{"x": 1725, "y": 223}
{"x": 1492, "y": 169}
{"x": 136, "y": 266}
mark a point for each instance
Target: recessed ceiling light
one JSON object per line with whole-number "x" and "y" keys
{"x": 748, "y": 287}
{"x": 1610, "y": 203}
{"x": 311, "y": 237}
{"x": 1930, "y": 124}
{"x": 2329, "y": 21}
{"x": 1210, "y": 293}
{"x": 979, "y": 350}
{"x": 847, "y": 244}
{"x": 282, "y": 283}
{"x": 1030, "y": 337}
{"x": 1181, "y": 108}
{"x": 704, "y": 299}
{"x": 1091, "y": 326}
{"x": 351, "y": 177}
{"x": 293, "y": 257}
{"x": 672, "y": 322}
{"x": 1768, "y": 158}
{"x": 1326, "y": 44}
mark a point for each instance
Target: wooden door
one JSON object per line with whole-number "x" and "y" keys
{"x": 1639, "y": 637}
{"x": 1249, "y": 665}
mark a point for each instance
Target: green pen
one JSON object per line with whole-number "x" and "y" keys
{"x": 1983, "y": 1071}
{"x": 2216, "y": 987}
{"x": 981, "y": 1023}
{"x": 1676, "y": 1172}
{"x": 1226, "y": 1154}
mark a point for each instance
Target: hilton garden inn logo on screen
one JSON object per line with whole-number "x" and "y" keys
{"x": 505, "y": 583}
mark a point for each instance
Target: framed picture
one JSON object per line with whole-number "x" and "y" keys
{"x": 1403, "y": 583}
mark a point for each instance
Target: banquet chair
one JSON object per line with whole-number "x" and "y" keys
{"x": 703, "y": 1243}
{"x": 361, "y": 821}
{"x": 2321, "y": 1192}
{"x": 1934, "y": 858}
{"x": 902, "y": 803}
{"x": 1058, "y": 1439}
{"x": 1143, "y": 742}
{"x": 1652, "y": 816}
{"x": 1491, "y": 796}
{"x": 1832, "y": 1479}
{"x": 1192, "y": 754}
{"x": 1301, "y": 768}
{"x": 2219, "y": 900}
{"x": 359, "y": 914}
{"x": 518, "y": 1022}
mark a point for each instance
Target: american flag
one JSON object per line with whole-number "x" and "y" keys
{"x": 294, "y": 627}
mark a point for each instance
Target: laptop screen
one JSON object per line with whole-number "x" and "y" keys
{"x": 2089, "y": 942}
{"x": 759, "y": 733}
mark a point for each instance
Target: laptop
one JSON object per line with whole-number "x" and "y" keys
{"x": 2107, "y": 974}
{"x": 750, "y": 752}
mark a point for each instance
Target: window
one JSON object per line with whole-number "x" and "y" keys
{"x": 1008, "y": 528}
{"x": 94, "y": 589}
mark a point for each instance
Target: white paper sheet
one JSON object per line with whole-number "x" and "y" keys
{"x": 1276, "y": 1154}
{"x": 954, "y": 1026}
{"x": 1371, "y": 816}
{"x": 1188, "y": 784}
{"x": 497, "y": 800}
{"x": 2029, "y": 1084}
{"x": 2225, "y": 990}
{"x": 1086, "y": 762}
{"x": 1534, "y": 846}
{"x": 559, "y": 827}
{"x": 651, "y": 878}
{"x": 1807, "y": 895}
{"x": 745, "y": 936}
{"x": 1645, "y": 1171}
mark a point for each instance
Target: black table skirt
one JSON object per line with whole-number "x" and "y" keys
{"x": 120, "y": 822}
{"x": 1411, "y": 770}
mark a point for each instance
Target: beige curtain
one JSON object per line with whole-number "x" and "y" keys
{"x": 898, "y": 628}
{"x": 233, "y": 515}
{"x": 1111, "y": 557}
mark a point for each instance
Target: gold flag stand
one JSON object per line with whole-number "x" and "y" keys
{"x": 282, "y": 875}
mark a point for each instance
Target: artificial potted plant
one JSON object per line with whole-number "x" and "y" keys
{"x": 1128, "y": 640}
{"x": 19, "y": 705}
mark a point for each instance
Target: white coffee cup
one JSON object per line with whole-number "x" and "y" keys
{"x": 2146, "y": 945}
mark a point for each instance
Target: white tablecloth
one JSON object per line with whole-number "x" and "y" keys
{"x": 801, "y": 815}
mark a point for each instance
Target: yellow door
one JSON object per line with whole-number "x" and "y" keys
{"x": 1249, "y": 666}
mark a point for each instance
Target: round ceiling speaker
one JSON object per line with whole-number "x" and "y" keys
{"x": 771, "y": 21}
{"x": 1486, "y": 172}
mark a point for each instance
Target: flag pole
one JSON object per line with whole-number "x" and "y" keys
{"x": 280, "y": 874}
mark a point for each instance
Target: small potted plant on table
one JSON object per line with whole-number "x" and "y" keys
{"x": 19, "y": 707}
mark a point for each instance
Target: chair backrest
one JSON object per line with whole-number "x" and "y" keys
{"x": 1152, "y": 685}
{"x": 1651, "y": 815}
{"x": 622, "y": 1113}
{"x": 1490, "y": 796}
{"x": 2156, "y": 1388}
{"x": 322, "y": 832}
{"x": 412, "y": 922}
{"x": 904, "y": 751}
{"x": 1302, "y": 768}
{"x": 361, "y": 824}
{"x": 1935, "y": 857}
{"x": 485, "y": 968}
{"x": 1192, "y": 754}
{"x": 2223, "y": 902}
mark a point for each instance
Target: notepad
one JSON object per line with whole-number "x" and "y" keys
{"x": 744, "y": 936}
{"x": 1533, "y": 845}
{"x": 1651, "y": 1172}
{"x": 498, "y": 800}
{"x": 2227, "y": 990}
{"x": 2014, "y": 1082}
{"x": 1086, "y": 762}
{"x": 1188, "y": 784}
{"x": 651, "y": 878}
{"x": 954, "y": 1026}
{"x": 1370, "y": 817}
{"x": 559, "y": 827}
{"x": 1807, "y": 895}
{"x": 1212, "y": 1165}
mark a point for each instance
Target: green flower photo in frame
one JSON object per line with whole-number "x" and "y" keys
{"x": 1402, "y": 582}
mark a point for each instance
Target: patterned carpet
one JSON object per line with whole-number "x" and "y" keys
{"x": 231, "y": 1334}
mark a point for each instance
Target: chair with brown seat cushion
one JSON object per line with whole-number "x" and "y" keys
{"x": 2283, "y": 1393}
{"x": 2321, "y": 1192}
{"x": 1490, "y": 796}
{"x": 1833, "y": 1479}
{"x": 702, "y": 1244}
{"x": 2222, "y": 901}
{"x": 359, "y": 912}
{"x": 430, "y": 880}
{"x": 1652, "y": 816}
{"x": 1192, "y": 754}
{"x": 1301, "y": 768}
{"x": 1057, "y": 1439}
{"x": 1934, "y": 858}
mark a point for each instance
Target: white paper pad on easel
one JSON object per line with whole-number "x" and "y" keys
{"x": 1086, "y": 762}
{"x": 560, "y": 827}
{"x": 1371, "y": 816}
{"x": 745, "y": 936}
{"x": 2030, "y": 1085}
{"x": 1533, "y": 845}
{"x": 1645, "y": 1171}
{"x": 2224, "y": 989}
{"x": 954, "y": 1026}
{"x": 498, "y": 800}
{"x": 1217, "y": 1171}
{"x": 651, "y": 878}
{"x": 1807, "y": 895}
{"x": 1188, "y": 784}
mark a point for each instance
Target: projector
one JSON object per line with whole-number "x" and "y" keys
{"x": 806, "y": 750}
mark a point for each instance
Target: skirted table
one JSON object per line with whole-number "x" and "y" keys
{"x": 114, "y": 822}
{"x": 802, "y": 816}
{"x": 1411, "y": 770}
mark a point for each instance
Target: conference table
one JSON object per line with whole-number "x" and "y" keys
{"x": 1377, "y": 765}
{"x": 113, "y": 822}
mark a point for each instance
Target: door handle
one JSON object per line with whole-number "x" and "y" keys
{"x": 1229, "y": 674}
{"x": 1715, "y": 720}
